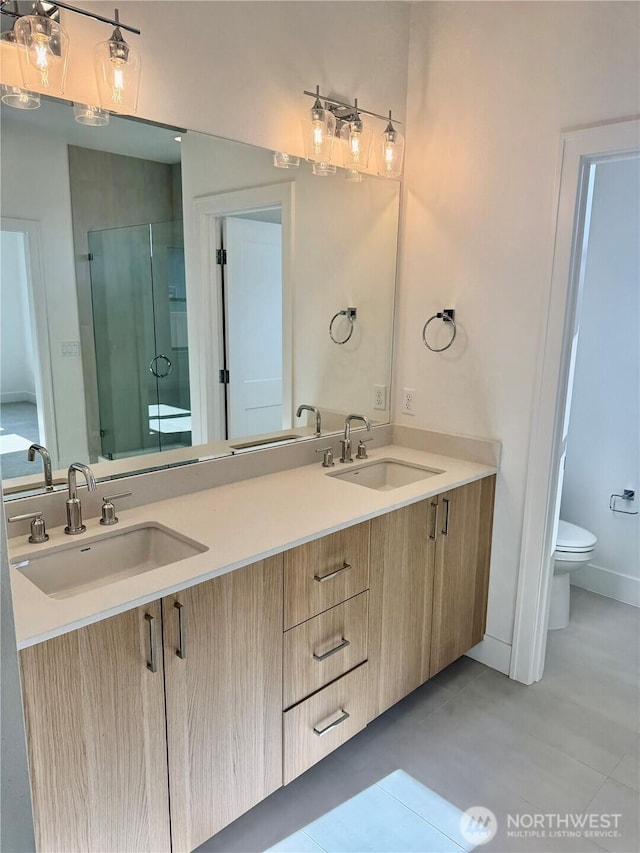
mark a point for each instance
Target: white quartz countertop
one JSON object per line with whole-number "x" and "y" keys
{"x": 239, "y": 523}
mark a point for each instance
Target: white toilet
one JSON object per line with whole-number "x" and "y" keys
{"x": 574, "y": 549}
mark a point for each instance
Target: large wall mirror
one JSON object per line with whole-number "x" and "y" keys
{"x": 168, "y": 296}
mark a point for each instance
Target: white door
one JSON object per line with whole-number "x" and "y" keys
{"x": 253, "y": 302}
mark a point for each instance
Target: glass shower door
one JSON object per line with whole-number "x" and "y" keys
{"x": 141, "y": 350}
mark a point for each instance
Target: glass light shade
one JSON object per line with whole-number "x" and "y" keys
{"x": 390, "y": 153}
{"x": 323, "y": 169}
{"x": 92, "y": 116}
{"x": 285, "y": 161}
{"x": 353, "y": 176}
{"x": 117, "y": 67}
{"x": 21, "y": 99}
{"x": 319, "y": 127}
{"x": 43, "y": 51}
{"x": 356, "y": 138}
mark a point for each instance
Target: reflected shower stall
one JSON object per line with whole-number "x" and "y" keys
{"x": 140, "y": 330}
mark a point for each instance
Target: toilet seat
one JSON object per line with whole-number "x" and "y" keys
{"x": 572, "y": 539}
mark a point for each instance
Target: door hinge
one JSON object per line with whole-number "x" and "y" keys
{"x": 90, "y": 256}
{"x": 223, "y": 375}
{"x": 221, "y": 256}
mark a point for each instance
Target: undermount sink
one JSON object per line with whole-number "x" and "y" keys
{"x": 92, "y": 563}
{"x": 386, "y": 474}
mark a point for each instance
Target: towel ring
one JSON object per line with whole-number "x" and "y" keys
{"x": 350, "y": 314}
{"x": 447, "y": 316}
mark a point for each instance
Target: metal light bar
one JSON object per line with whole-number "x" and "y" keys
{"x": 335, "y": 103}
{"x": 69, "y": 8}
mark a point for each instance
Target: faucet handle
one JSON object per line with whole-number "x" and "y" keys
{"x": 108, "y": 508}
{"x": 38, "y": 529}
{"x": 327, "y": 459}
{"x": 362, "y": 449}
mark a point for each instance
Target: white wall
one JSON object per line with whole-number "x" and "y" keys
{"x": 17, "y": 377}
{"x": 491, "y": 85}
{"x": 35, "y": 186}
{"x": 603, "y": 455}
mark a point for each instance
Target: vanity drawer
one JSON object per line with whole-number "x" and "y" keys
{"x": 324, "y": 721}
{"x": 324, "y": 648}
{"x": 325, "y": 572}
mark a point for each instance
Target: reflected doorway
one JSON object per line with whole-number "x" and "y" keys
{"x": 26, "y": 417}
{"x": 251, "y": 245}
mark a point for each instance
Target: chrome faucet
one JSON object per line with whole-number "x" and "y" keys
{"x": 74, "y": 508}
{"x": 305, "y": 408}
{"x": 345, "y": 442}
{"x": 46, "y": 458}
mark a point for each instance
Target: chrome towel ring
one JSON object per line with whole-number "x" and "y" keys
{"x": 447, "y": 315}
{"x": 350, "y": 314}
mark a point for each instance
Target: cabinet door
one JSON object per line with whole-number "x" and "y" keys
{"x": 96, "y": 734}
{"x": 463, "y": 551}
{"x": 224, "y": 698}
{"x": 402, "y": 554}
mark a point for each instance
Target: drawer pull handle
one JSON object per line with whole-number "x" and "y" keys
{"x": 181, "y": 651}
{"x": 323, "y": 578}
{"x": 344, "y": 716}
{"x": 341, "y": 645}
{"x": 152, "y": 663}
{"x": 445, "y": 529}
{"x": 434, "y": 530}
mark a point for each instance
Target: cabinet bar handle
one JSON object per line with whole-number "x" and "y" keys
{"x": 328, "y": 577}
{"x": 181, "y": 651}
{"x": 342, "y": 645}
{"x": 434, "y": 529}
{"x": 445, "y": 529}
{"x": 344, "y": 716}
{"x": 152, "y": 663}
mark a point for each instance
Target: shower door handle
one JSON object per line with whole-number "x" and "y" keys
{"x": 153, "y": 366}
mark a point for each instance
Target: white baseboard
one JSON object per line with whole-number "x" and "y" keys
{"x": 610, "y": 584}
{"x": 18, "y": 397}
{"x": 493, "y": 653}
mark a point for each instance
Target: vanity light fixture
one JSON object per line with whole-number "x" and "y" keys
{"x": 285, "y": 161}
{"x": 43, "y": 51}
{"x": 21, "y": 99}
{"x": 323, "y": 169}
{"x": 331, "y": 119}
{"x": 90, "y": 115}
{"x": 117, "y": 67}
{"x": 319, "y": 125}
{"x": 356, "y": 137}
{"x": 390, "y": 152}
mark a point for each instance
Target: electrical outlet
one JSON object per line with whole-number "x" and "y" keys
{"x": 408, "y": 401}
{"x": 379, "y": 396}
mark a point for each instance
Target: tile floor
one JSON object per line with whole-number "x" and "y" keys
{"x": 567, "y": 745}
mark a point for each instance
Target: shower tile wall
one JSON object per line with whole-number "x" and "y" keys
{"x": 111, "y": 191}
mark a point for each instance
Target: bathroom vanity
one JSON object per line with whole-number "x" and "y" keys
{"x": 314, "y": 604}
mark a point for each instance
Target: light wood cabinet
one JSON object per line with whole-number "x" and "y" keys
{"x": 401, "y": 599}
{"x": 461, "y": 577}
{"x": 429, "y": 584}
{"x": 324, "y": 721}
{"x": 325, "y": 572}
{"x": 323, "y": 648}
{"x": 95, "y": 726}
{"x": 257, "y": 675}
{"x": 224, "y": 698}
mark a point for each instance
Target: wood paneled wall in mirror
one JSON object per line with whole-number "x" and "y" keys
{"x": 167, "y": 295}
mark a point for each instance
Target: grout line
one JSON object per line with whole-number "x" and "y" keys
{"x": 423, "y": 819}
{"x": 311, "y": 839}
